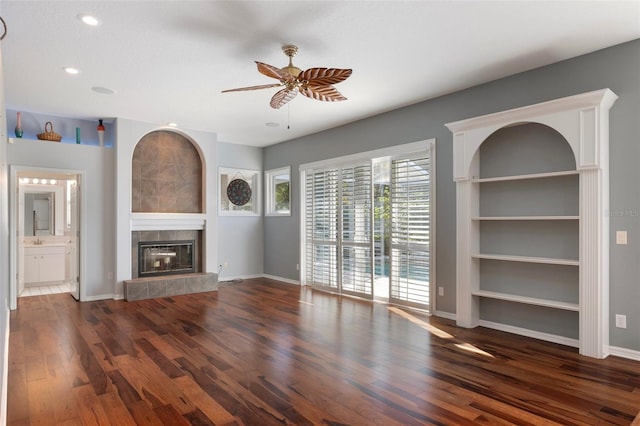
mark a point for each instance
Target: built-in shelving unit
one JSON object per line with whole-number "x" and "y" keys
{"x": 532, "y": 253}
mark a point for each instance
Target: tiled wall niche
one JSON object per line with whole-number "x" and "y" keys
{"x": 137, "y": 236}
{"x": 166, "y": 175}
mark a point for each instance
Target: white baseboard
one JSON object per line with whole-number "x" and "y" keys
{"x": 284, "y": 280}
{"x": 530, "y": 333}
{"x": 98, "y": 297}
{"x": 447, "y": 315}
{"x": 238, "y": 277}
{"x": 5, "y": 374}
{"x": 624, "y": 353}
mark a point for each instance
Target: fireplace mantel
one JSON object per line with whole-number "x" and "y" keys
{"x": 167, "y": 221}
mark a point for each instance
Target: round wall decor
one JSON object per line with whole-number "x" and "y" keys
{"x": 239, "y": 192}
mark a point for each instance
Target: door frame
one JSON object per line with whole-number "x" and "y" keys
{"x": 14, "y": 202}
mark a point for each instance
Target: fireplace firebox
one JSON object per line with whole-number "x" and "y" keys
{"x": 165, "y": 257}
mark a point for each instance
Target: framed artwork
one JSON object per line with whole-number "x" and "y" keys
{"x": 278, "y": 192}
{"x": 239, "y": 193}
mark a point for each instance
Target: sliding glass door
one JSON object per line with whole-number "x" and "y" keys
{"x": 362, "y": 228}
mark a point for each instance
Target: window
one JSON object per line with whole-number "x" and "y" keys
{"x": 278, "y": 191}
{"x": 368, "y": 225}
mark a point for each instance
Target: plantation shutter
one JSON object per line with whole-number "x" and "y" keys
{"x": 321, "y": 206}
{"x": 410, "y": 231}
{"x": 356, "y": 219}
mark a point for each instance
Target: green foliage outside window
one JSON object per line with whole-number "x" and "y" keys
{"x": 282, "y": 196}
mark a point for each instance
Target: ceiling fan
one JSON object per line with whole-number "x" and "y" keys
{"x": 314, "y": 83}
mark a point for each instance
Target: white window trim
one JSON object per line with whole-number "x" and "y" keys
{"x": 253, "y": 177}
{"x": 270, "y": 204}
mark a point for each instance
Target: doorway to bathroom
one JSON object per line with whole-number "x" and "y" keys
{"x": 46, "y": 242}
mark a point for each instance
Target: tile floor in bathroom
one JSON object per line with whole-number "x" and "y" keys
{"x": 46, "y": 289}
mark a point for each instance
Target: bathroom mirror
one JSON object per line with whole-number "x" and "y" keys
{"x": 42, "y": 210}
{"x": 38, "y": 213}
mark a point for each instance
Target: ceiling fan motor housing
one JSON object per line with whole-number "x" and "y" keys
{"x": 290, "y": 50}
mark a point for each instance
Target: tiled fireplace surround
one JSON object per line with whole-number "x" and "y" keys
{"x": 166, "y": 179}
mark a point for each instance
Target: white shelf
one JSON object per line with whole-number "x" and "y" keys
{"x": 527, "y": 300}
{"x": 527, "y": 259}
{"x": 19, "y": 140}
{"x": 524, "y": 177}
{"x": 525, "y": 218}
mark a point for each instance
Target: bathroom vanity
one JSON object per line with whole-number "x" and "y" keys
{"x": 44, "y": 263}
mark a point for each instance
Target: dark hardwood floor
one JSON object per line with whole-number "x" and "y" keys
{"x": 266, "y": 353}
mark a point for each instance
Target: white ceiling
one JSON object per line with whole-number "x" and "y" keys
{"x": 169, "y": 60}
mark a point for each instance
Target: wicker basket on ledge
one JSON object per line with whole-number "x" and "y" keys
{"x": 49, "y": 134}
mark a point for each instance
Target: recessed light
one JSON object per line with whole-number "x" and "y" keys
{"x": 272, "y": 124}
{"x": 103, "y": 90}
{"x": 71, "y": 70}
{"x": 89, "y": 20}
{"x": 172, "y": 124}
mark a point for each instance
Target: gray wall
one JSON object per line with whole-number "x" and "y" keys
{"x": 615, "y": 68}
{"x": 4, "y": 253}
{"x": 240, "y": 238}
{"x": 99, "y": 238}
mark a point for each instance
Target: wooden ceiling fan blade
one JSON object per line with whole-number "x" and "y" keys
{"x": 273, "y": 72}
{"x": 322, "y": 93}
{"x": 282, "y": 97}
{"x": 324, "y": 76}
{"x": 263, "y": 86}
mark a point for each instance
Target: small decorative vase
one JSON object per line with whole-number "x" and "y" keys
{"x": 18, "y": 130}
{"x": 78, "y": 135}
{"x": 100, "y": 130}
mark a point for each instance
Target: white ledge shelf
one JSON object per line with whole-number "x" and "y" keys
{"x": 528, "y": 259}
{"x": 527, "y": 300}
{"x": 167, "y": 221}
{"x": 88, "y": 142}
{"x": 525, "y": 177}
{"x": 525, "y": 218}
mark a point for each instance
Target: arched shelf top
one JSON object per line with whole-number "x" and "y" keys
{"x": 523, "y": 149}
{"x": 581, "y": 119}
